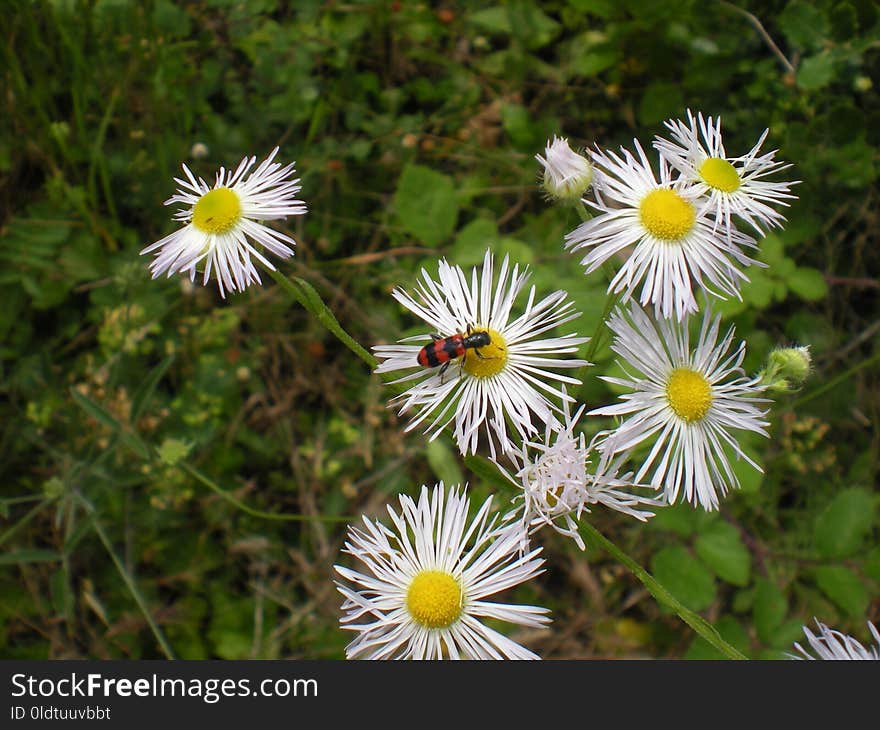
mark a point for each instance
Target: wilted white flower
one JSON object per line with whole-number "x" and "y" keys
{"x": 734, "y": 185}
{"x": 427, "y": 579}
{"x": 831, "y": 644}
{"x": 560, "y": 482}
{"x": 506, "y": 379}
{"x": 675, "y": 246}
{"x": 567, "y": 175}
{"x": 221, "y": 222}
{"x": 684, "y": 401}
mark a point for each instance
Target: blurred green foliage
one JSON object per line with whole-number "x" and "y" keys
{"x": 414, "y": 126}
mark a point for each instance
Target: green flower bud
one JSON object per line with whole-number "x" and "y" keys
{"x": 787, "y": 369}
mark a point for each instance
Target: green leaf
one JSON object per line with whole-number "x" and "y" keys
{"x": 602, "y": 8}
{"x": 660, "y": 101}
{"x": 473, "y": 240}
{"x": 807, "y": 283}
{"x": 769, "y": 610}
{"x": 721, "y": 548}
{"x": 681, "y": 519}
{"x": 530, "y": 24}
{"x": 759, "y": 292}
{"x": 789, "y": 632}
{"x": 492, "y": 20}
{"x": 816, "y": 72}
{"x": 487, "y": 471}
{"x": 518, "y": 124}
{"x": 844, "y": 524}
{"x": 684, "y": 576}
{"x": 426, "y": 204}
{"x": 594, "y": 61}
{"x": 101, "y": 415}
{"x": 145, "y": 391}
{"x": 803, "y": 24}
{"x": 443, "y": 463}
{"x": 27, "y": 555}
{"x": 843, "y": 587}
{"x": 872, "y": 563}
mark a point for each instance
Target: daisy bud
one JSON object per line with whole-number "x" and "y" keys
{"x": 567, "y": 175}
{"x": 787, "y": 369}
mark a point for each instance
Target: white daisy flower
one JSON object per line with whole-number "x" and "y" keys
{"x": 675, "y": 246}
{"x": 686, "y": 401}
{"x": 734, "y": 185}
{"x": 559, "y": 485}
{"x": 489, "y": 384}
{"x": 831, "y": 644}
{"x": 222, "y": 221}
{"x": 428, "y": 577}
{"x": 567, "y": 175}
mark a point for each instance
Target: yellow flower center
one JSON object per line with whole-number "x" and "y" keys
{"x": 553, "y": 495}
{"x": 689, "y": 394}
{"x": 720, "y": 174}
{"x": 484, "y": 362}
{"x": 434, "y": 599}
{"x": 666, "y": 215}
{"x": 217, "y": 211}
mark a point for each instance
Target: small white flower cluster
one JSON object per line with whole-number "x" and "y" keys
{"x": 680, "y": 225}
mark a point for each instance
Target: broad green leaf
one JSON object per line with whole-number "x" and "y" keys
{"x": 426, "y": 204}
{"x": 473, "y": 240}
{"x": 531, "y": 25}
{"x": 681, "y": 519}
{"x": 721, "y": 548}
{"x": 519, "y": 251}
{"x": 872, "y": 563}
{"x": 807, "y": 283}
{"x": 769, "y": 610}
{"x": 660, "y": 101}
{"x": 843, "y": 587}
{"x": 602, "y": 8}
{"x": 684, "y": 576}
{"x": 493, "y": 20}
{"x": 789, "y": 632}
{"x": 759, "y": 292}
{"x": 816, "y": 72}
{"x": 519, "y": 126}
{"x": 594, "y": 61}
{"x": 843, "y": 525}
{"x": 444, "y": 463}
{"x": 804, "y": 24}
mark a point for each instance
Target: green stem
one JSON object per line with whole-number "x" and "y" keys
{"x": 127, "y": 578}
{"x": 696, "y": 622}
{"x": 582, "y": 211}
{"x": 602, "y": 325}
{"x": 208, "y": 482}
{"x": 825, "y": 387}
{"x": 33, "y": 512}
{"x": 306, "y": 295}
